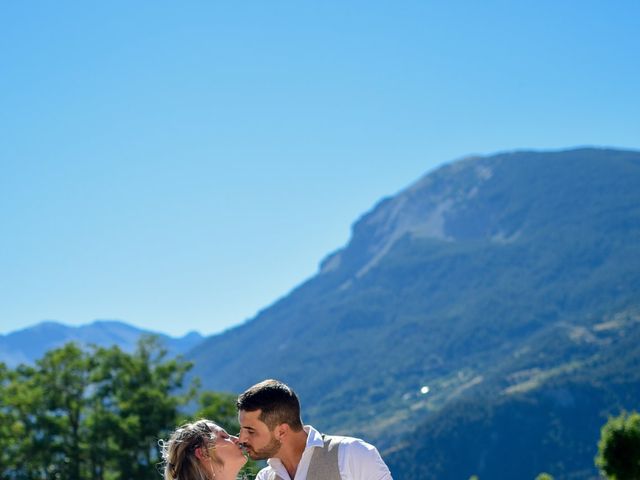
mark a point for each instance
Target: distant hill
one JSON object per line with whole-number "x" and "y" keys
{"x": 485, "y": 320}
{"x": 30, "y": 344}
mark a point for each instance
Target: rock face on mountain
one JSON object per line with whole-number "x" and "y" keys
{"x": 483, "y": 321}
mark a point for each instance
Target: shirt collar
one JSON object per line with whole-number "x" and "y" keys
{"x": 314, "y": 438}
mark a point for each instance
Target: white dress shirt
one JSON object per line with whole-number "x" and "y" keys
{"x": 357, "y": 460}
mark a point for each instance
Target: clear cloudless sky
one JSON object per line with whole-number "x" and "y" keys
{"x": 182, "y": 165}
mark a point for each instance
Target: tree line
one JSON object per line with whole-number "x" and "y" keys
{"x": 98, "y": 413}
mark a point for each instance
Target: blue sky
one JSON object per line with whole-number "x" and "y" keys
{"x": 181, "y": 165}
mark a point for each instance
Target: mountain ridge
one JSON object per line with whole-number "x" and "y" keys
{"x": 488, "y": 279}
{"x": 28, "y": 344}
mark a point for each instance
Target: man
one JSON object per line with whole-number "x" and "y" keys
{"x": 271, "y": 428}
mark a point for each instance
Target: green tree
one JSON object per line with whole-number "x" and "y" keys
{"x": 25, "y": 456}
{"x": 544, "y": 476}
{"x": 619, "y": 447}
{"x": 221, "y": 408}
{"x": 93, "y": 415}
{"x": 63, "y": 376}
{"x": 135, "y": 405}
{"x": 7, "y": 418}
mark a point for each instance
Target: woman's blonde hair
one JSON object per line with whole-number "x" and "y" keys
{"x": 179, "y": 452}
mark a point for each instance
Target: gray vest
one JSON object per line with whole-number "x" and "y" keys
{"x": 324, "y": 461}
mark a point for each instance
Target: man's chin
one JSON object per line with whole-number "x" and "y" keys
{"x": 256, "y": 456}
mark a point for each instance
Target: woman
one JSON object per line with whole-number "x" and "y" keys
{"x": 202, "y": 451}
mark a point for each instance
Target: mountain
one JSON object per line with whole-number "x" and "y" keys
{"x": 29, "y": 344}
{"x": 485, "y": 320}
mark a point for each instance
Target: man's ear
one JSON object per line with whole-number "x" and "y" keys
{"x": 281, "y": 431}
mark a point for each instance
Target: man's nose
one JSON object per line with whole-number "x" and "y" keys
{"x": 240, "y": 436}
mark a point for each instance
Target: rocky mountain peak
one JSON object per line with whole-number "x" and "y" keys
{"x": 422, "y": 210}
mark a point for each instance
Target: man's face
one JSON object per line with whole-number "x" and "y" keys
{"x": 259, "y": 441}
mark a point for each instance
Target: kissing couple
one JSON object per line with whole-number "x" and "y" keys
{"x": 271, "y": 429}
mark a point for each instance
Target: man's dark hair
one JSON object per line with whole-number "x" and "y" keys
{"x": 278, "y": 404}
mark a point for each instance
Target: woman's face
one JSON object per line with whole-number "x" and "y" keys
{"x": 227, "y": 449}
